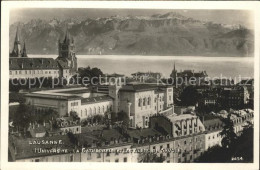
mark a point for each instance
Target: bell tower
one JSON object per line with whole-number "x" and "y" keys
{"x": 17, "y": 50}
{"x": 67, "y": 52}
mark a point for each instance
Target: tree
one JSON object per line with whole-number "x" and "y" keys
{"x": 244, "y": 144}
{"x": 149, "y": 157}
{"x": 123, "y": 116}
{"x": 189, "y": 96}
{"x": 215, "y": 154}
{"x": 90, "y": 73}
{"x": 23, "y": 116}
{"x": 228, "y": 134}
{"x": 241, "y": 148}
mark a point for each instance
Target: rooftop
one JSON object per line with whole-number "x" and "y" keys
{"x": 175, "y": 118}
{"x": 95, "y": 99}
{"x": 53, "y": 96}
{"x": 212, "y": 123}
{"x": 33, "y": 64}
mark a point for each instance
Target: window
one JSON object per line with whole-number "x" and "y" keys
{"x": 89, "y": 156}
{"x": 185, "y": 142}
{"x": 179, "y": 160}
{"x": 168, "y": 145}
{"x": 10, "y": 72}
{"x": 125, "y": 159}
{"x": 144, "y": 101}
{"x": 149, "y": 101}
{"x": 168, "y": 161}
{"x": 98, "y": 155}
{"x": 86, "y": 112}
{"x": 116, "y": 160}
{"x": 37, "y": 160}
{"x": 139, "y": 102}
{"x": 108, "y": 153}
{"x": 170, "y": 97}
{"x": 71, "y": 158}
{"x": 168, "y": 154}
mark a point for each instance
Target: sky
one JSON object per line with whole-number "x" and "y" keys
{"x": 231, "y": 17}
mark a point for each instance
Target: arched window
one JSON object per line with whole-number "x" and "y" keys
{"x": 149, "y": 101}
{"x": 139, "y": 102}
{"x": 144, "y": 101}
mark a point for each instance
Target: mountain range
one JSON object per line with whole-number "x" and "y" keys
{"x": 159, "y": 34}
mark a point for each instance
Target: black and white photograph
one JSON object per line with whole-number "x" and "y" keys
{"x": 130, "y": 85}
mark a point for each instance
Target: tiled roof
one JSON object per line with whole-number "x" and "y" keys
{"x": 95, "y": 99}
{"x": 212, "y": 123}
{"x": 144, "y": 133}
{"x": 138, "y": 87}
{"x": 32, "y": 64}
{"x": 175, "y": 118}
{"x": 48, "y": 96}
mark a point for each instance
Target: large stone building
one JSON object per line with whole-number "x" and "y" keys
{"x": 139, "y": 101}
{"x": 188, "y": 77}
{"x": 21, "y": 66}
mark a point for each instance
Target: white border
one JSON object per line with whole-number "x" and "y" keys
{"x": 5, "y": 8}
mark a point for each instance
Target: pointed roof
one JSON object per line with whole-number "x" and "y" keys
{"x": 24, "y": 48}
{"x": 17, "y": 38}
{"x": 67, "y": 36}
{"x": 24, "y": 54}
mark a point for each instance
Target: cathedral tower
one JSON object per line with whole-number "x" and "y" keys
{"x": 24, "y": 54}
{"x": 67, "y": 52}
{"x": 17, "y": 50}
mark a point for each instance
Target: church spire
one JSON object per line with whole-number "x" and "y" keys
{"x": 67, "y": 36}
{"x": 17, "y": 46}
{"x": 17, "y": 38}
{"x": 24, "y": 54}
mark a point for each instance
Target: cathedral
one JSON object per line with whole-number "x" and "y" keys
{"x": 22, "y": 66}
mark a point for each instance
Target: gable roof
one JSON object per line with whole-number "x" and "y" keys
{"x": 33, "y": 64}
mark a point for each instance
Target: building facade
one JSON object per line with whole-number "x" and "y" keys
{"x": 21, "y": 66}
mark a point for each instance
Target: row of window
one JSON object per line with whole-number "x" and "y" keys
{"x": 95, "y": 110}
{"x": 17, "y": 72}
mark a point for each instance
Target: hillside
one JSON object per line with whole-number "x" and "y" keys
{"x": 159, "y": 34}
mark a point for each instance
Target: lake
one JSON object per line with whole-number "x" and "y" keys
{"x": 215, "y": 66}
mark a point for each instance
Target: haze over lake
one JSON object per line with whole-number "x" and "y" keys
{"x": 215, "y": 66}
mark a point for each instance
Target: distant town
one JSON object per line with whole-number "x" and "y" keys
{"x": 59, "y": 112}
